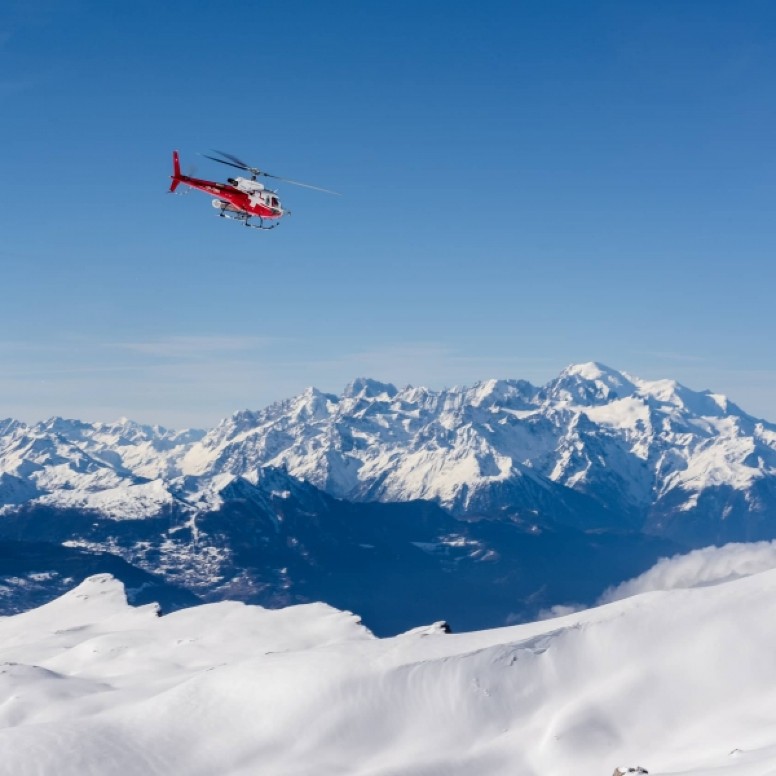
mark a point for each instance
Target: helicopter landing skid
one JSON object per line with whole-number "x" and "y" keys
{"x": 261, "y": 226}
{"x": 245, "y": 218}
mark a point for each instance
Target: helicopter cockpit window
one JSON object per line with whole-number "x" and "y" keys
{"x": 275, "y": 202}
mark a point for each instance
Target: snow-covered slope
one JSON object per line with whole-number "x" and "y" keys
{"x": 592, "y": 448}
{"x": 119, "y": 470}
{"x": 679, "y": 682}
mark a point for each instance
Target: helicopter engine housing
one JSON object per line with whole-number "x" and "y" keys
{"x": 248, "y": 186}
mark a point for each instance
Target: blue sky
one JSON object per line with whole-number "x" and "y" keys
{"x": 525, "y": 185}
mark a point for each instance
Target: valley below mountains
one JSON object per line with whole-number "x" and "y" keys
{"x": 483, "y": 506}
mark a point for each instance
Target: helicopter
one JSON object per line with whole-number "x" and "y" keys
{"x": 240, "y": 199}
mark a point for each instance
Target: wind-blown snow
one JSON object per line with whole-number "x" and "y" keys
{"x": 680, "y": 682}
{"x": 708, "y": 566}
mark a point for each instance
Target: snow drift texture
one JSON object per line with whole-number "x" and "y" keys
{"x": 680, "y": 682}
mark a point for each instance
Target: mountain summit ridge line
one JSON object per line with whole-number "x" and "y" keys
{"x": 644, "y": 454}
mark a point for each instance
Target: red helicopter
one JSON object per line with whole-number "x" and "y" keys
{"x": 240, "y": 199}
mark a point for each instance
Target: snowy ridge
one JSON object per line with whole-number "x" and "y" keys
{"x": 593, "y": 445}
{"x": 234, "y": 689}
{"x": 625, "y": 441}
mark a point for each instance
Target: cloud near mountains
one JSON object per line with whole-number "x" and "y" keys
{"x": 699, "y": 568}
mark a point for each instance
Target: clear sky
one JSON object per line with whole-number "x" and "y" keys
{"x": 525, "y": 185}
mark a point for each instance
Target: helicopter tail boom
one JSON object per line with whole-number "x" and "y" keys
{"x": 176, "y": 171}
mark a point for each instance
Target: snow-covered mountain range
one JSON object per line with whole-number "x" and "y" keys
{"x": 592, "y": 447}
{"x": 594, "y": 450}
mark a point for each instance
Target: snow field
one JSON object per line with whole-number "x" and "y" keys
{"x": 679, "y": 681}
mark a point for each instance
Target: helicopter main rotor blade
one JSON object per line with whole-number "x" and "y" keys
{"x": 297, "y": 183}
{"x": 255, "y": 171}
{"x": 238, "y": 166}
{"x": 245, "y": 165}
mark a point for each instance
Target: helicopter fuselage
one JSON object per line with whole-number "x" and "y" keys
{"x": 254, "y": 200}
{"x": 241, "y": 195}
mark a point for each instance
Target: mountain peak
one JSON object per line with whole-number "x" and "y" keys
{"x": 593, "y": 370}
{"x": 589, "y": 383}
{"x": 368, "y": 388}
{"x": 501, "y": 392}
{"x": 9, "y": 425}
